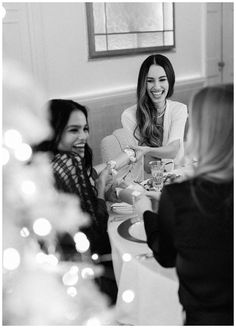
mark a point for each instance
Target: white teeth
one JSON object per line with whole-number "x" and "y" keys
{"x": 79, "y": 146}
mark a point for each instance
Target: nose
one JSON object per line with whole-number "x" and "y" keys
{"x": 83, "y": 135}
{"x": 156, "y": 84}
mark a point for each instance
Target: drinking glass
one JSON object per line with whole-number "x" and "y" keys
{"x": 157, "y": 171}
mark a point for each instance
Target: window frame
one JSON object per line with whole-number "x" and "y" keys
{"x": 93, "y": 54}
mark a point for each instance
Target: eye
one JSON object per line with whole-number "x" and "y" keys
{"x": 163, "y": 79}
{"x": 74, "y": 130}
{"x": 150, "y": 79}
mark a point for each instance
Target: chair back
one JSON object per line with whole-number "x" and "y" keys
{"x": 112, "y": 146}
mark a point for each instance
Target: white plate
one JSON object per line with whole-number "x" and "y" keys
{"x": 137, "y": 231}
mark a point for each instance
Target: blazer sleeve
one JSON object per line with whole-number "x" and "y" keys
{"x": 178, "y": 121}
{"x": 160, "y": 231}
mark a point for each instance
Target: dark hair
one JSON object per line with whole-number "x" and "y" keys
{"x": 59, "y": 114}
{"x": 149, "y": 132}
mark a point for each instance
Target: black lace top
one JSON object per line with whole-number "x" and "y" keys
{"x": 71, "y": 177}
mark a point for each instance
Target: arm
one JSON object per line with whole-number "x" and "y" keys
{"x": 168, "y": 151}
{"x": 160, "y": 231}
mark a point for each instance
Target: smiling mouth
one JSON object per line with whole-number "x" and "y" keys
{"x": 157, "y": 94}
{"x": 79, "y": 147}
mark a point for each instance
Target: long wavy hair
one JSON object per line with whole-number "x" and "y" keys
{"x": 147, "y": 131}
{"x": 59, "y": 114}
{"x": 210, "y": 135}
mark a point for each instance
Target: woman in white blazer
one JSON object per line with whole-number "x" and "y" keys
{"x": 156, "y": 122}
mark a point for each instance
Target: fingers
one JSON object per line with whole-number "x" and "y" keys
{"x": 153, "y": 194}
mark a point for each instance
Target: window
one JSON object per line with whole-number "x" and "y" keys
{"x": 122, "y": 28}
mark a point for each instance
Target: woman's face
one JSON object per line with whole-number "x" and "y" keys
{"x": 75, "y": 134}
{"x": 157, "y": 85}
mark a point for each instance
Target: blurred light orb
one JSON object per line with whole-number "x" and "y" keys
{"x": 81, "y": 242}
{"x": 28, "y": 187}
{"x": 70, "y": 278}
{"x": 52, "y": 259}
{"x": 87, "y": 273}
{"x": 24, "y": 232}
{"x": 23, "y": 152}
{"x": 95, "y": 257}
{"x": 11, "y": 259}
{"x": 128, "y": 296}
{"x": 41, "y": 258}
{"x": 93, "y": 322}
{"x": 71, "y": 291}
{"x": 42, "y": 227}
{"x": 12, "y": 138}
{"x": 5, "y": 156}
{"x": 126, "y": 257}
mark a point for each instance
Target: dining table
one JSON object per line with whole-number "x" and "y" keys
{"x": 147, "y": 292}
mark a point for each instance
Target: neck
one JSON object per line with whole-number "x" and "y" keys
{"x": 160, "y": 108}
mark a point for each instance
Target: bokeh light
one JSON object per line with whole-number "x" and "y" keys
{"x": 12, "y": 138}
{"x": 95, "y": 257}
{"x": 24, "y": 232}
{"x": 71, "y": 277}
{"x": 28, "y": 187}
{"x": 87, "y": 273}
{"x": 81, "y": 242}
{"x": 128, "y": 296}
{"x": 71, "y": 291}
{"x": 23, "y": 152}
{"x": 11, "y": 259}
{"x": 42, "y": 227}
{"x": 126, "y": 257}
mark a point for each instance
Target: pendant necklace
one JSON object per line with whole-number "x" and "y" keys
{"x": 162, "y": 113}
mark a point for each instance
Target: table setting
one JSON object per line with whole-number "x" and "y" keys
{"x": 154, "y": 288}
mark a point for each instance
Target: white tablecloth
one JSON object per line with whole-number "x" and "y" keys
{"x": 155, "y": 288}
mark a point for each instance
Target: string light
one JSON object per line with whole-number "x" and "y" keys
{"x": 28, "y": 187}
{"x": 128, "y": 296}
{"x": 81, "y": 242}
{"x": 87, "y": 273}
{"x": 70, "y": 277}
{"x": 42, "y": 258}
{"x": 11, "y": 259}
{"x": 95, "y": 257}
{"x": 5, "y": 156}
{"x": 23, "y": 152}
{"x": 42, "y": 227}
{"x": 126, "y": 257}
{"x": 24, "y": 232}
{"x": 12, "y": 138}
{"x": 71, "y": 291}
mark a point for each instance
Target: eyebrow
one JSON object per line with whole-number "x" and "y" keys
{"x": 152, "y": 77}
{"x": 76, "y": 126}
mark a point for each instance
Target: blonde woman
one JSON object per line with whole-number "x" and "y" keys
{"x": 193, "y": 229}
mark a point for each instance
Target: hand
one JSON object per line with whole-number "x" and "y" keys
{"x": 104, "y": 178}
{"x": 140, "y": 150}
{"x": 155, "y": 195}
{"x": 143, "y": 204}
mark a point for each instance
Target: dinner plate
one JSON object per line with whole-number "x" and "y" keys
{"x": 133, "y": 230}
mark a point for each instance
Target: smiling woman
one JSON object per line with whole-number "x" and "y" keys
{"x": 156, "y": 123}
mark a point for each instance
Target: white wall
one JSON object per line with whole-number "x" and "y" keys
{"x": 71, "y": 73}
{"x": 59, "y": 50}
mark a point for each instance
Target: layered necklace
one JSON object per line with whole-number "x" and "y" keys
{"x": 159, "y": 115}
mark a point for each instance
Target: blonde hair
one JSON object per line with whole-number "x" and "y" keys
{"x": 210, "y": 136}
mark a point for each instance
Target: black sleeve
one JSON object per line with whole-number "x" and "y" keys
{"x": 160, "y": 231}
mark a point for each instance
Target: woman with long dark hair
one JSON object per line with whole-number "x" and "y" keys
{"x": 156, "y": 122}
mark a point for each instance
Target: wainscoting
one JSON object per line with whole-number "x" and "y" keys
{"x": 105, "y": 110}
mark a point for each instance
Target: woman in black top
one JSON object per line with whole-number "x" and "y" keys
{"x": 71, "y": 159}
{"x": 193, "y": 229}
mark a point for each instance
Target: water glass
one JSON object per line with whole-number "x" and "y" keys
{"x": 157, "y": 171}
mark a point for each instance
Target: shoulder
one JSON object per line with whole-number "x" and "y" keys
{"x": 129, "y": 112}
{"x": 176, "y": 107}
{"x": 64, "y": 160}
